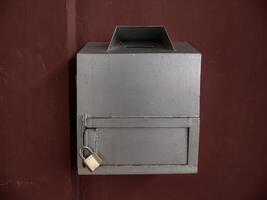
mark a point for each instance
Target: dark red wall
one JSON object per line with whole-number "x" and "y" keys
{"x": 37, "y": 97}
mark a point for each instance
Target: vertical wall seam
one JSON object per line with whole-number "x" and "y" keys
{"x": 71, "y": 45}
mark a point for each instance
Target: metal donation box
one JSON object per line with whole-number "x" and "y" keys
{"x": 138, "y": 104}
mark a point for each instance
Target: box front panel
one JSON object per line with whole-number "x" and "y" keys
{"x": 143, "y": 112}
{"x": 137, "y": 85}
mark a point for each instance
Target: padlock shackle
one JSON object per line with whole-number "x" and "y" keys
{"x": 81, "y": 151}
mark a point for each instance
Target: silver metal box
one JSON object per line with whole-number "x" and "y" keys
{"x": 138, "y": 103}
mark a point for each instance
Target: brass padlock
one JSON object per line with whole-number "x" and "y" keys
{"x": 93, "y": 161}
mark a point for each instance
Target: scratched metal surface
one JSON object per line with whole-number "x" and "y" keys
{"x": 149, "y": 88}
{"x": 139, "y": 84}
{"x": 139, "y": 146}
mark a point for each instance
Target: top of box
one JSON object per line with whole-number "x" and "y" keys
{"x": 102, "y": 47}
{"x": 139, "y": 39}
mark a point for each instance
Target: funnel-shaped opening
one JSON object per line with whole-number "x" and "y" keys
{"x": 140, "y": 39}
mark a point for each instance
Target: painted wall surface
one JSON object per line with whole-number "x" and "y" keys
{"x": 39, "y": 40}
